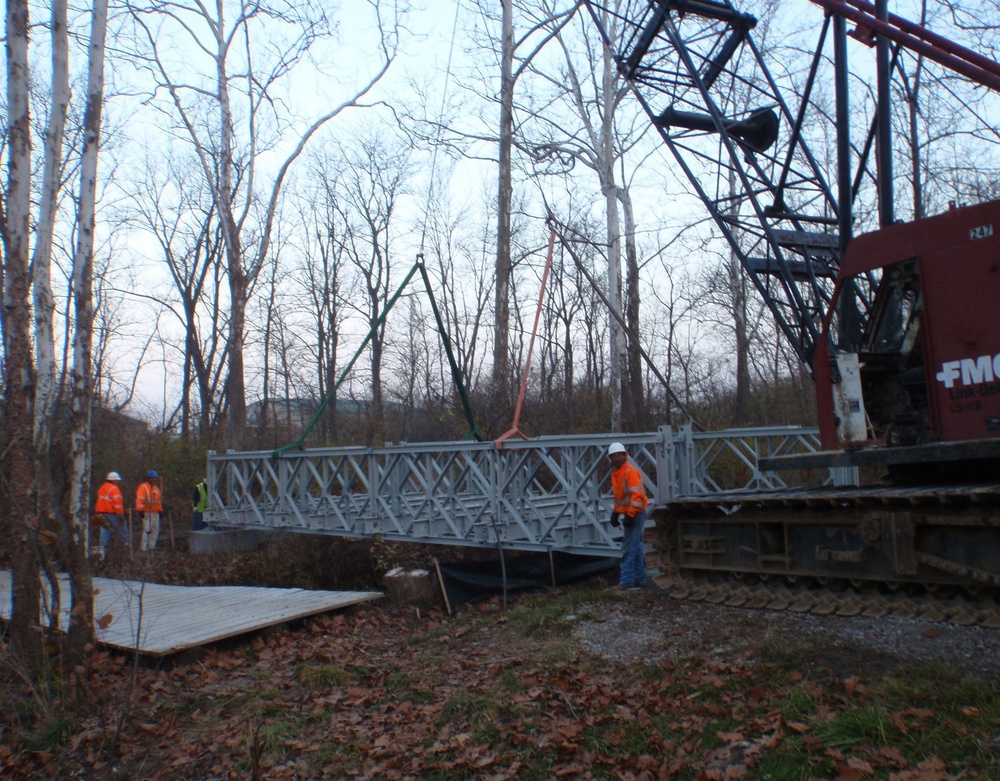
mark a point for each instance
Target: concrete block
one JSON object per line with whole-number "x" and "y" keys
{"x": 414, "y": 585}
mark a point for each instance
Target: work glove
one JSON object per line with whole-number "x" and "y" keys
{"x": 616, "y": 519}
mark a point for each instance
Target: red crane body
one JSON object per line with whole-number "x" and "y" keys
{"x": 929, "y": 361}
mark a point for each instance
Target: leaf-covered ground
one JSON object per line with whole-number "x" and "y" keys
{"x": 532, "y": 691}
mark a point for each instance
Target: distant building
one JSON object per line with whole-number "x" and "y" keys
{"x": 289, "y": 417}
{"x": 293, "y": 414}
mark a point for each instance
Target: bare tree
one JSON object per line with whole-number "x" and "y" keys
{"x": 171, "y": 205}
{"x": 373, "y": 179}
{"x": 43, "y": 301}
{"x": 501, "y": 347}
{"x": 586, "y": 84}
{"x": 502, "y": 41}
{"x": 321, "y": 279}
{"x": 569, "y": 297}
{"x": 247, "y": 59}
{"x": 283, "y": 354}
{"x": 460, "y": 257}
{"x": 113, "y": 386}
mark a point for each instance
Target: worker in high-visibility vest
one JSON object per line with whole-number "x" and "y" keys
{"x": 149, "y": 504}
{"x": 109, "y": 511}
{"x": 199, "y": 503}
{"x": 629, "y": 511}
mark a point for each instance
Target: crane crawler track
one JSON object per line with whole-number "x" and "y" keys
{"x": 921, "y": 553}
{"x": 962, "y": 611}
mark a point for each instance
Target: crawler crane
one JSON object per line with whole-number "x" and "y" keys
{"x": 897, "y": 326}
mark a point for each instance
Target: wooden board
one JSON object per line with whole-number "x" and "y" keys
{"x": 159, "y": 620}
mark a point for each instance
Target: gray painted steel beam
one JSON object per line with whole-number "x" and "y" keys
{"x": 549, "y": 493}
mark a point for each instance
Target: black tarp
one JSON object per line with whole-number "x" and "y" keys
{"x": 474, "y": 581}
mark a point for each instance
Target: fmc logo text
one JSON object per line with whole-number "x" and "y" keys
{"x": 971, "y": 371}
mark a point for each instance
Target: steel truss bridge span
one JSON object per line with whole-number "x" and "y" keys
{"x": 549, "y": 493}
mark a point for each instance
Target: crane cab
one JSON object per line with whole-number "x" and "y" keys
{"x": 923, "y": 366}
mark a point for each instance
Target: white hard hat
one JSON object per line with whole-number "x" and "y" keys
{"x": 616, "y": 447}
{"x": 114, "y": 477}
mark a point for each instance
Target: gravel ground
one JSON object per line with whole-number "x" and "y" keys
{"x": 655, "y": 627}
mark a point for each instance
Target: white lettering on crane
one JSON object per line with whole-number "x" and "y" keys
{"x": 978, "y": 370}
{"x": 949, "y": 373}
{"x": 971, "y": 371}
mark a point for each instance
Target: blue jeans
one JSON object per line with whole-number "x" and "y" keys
{"x": 117, "y": 524}
{"x": 633, "y": 566}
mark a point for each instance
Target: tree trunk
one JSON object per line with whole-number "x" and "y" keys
{"x": 606, "y": 156}
{"x": 738, "y": 299}
{"x": 238, "y": 285}
{"x": 376, "y": 425}
{"x": 17, "y": 344}
{"x": 737, "y": 295}
{"x": 41, "y": 281}
{"x": 634, "y": 418}
{"x": 236, "y": 397}
{"x": 913, "y": 107}
{"x": 44, "y": 302}
{"x": 81, "y": 626}
{"x": 617, "y": 367}
{"x": 501, "y": 327}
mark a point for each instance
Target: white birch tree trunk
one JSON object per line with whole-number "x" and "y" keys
{"x": 81, "y": 628}
{"x": 19, "y": 391}
{"x": 41, "y": 282}
{"x": 43, "y": 303}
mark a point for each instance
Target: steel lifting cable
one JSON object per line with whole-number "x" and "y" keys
{"x": 455, "y": 371}
{"x": 298, "y": 443}
{"x": 514, "y": 430}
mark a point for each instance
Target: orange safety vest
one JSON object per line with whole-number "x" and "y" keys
{"x": 109, "y": 500}
{"x": 630, "y": 496}
{"x": 148, "y": 498}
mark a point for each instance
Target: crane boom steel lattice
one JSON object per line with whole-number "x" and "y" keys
{"x": 697, "y": 72}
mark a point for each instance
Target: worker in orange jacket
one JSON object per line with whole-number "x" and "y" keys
{"x": 111, "y": 507}
{"x": 629, "y": 511}
{"x": 149, "y": 504}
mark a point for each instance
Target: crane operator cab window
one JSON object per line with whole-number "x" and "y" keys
{"x": 890, "y": 359}
{"x": 880, "y": 393}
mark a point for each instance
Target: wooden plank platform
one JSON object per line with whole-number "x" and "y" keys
{"x": 160, "y": 620}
